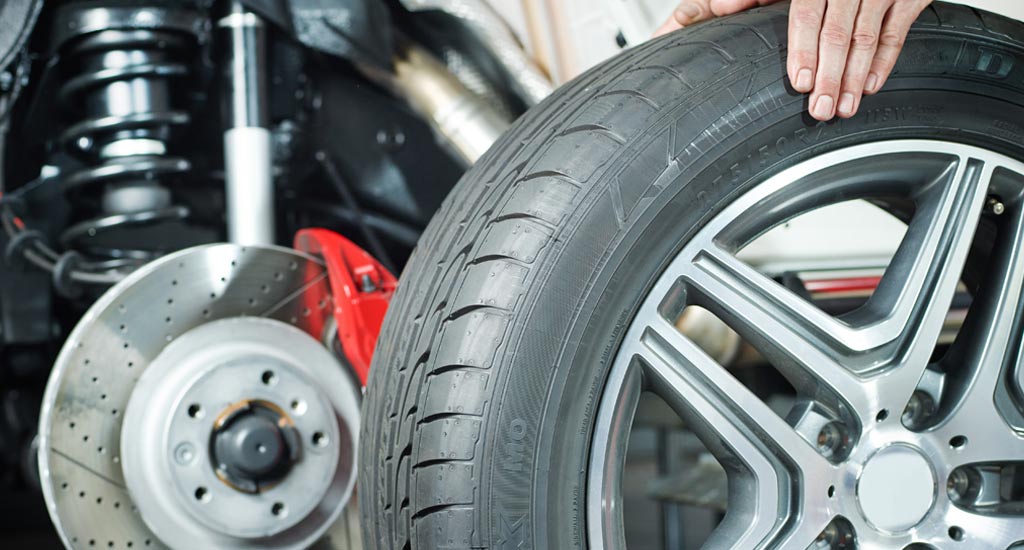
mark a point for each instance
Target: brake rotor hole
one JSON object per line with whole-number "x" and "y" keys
{"x": 195, "y": 411}
{"x": 298, "y": 406}
{"x": 268, "y": 377}
{"x": 279, "y": 510}
{"x": 882, "y": 415}
{"x": 956, "y": 533}
{"x": 202, "y": 494}
{"x": 958, "y": 442}
{"x": 320, "y": 439}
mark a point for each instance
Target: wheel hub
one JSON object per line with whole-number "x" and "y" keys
{"x": 254, "y": 443}
{"x": 257, "y": 472}
{"x": 195, "y": 407}
{"x": 896, "y": 488}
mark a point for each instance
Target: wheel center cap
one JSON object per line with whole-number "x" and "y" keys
{"x": 896, "y": 488}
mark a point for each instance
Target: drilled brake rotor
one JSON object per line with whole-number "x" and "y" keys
{"x": 193, "y": 407}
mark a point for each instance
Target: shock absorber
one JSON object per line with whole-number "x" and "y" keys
{"x": 121, "y": 65}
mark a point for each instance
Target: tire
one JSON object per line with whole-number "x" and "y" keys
{"x": 483, "y": 394}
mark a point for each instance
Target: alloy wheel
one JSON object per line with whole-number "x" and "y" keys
{"x": 888, "y": 444}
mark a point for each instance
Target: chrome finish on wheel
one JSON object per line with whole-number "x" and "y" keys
{"x": 194, "y": 407}
{"x": 886, "y": 445}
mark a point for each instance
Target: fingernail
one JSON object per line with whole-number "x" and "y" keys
{"x": 823, "y": 107}
{"x": 845, "y": 104}
{"x": 872, "y": 82}
{"x": 804, "y": 80}
{"x": 687, "y": 13}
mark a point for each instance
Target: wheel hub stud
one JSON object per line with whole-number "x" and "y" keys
{"x": 837, "y": 535}
{"x": 833, "y": 440}
{"x": 995, "y": 206}
{"x": 962, "y": 485}
{"x": 919, "y": 409}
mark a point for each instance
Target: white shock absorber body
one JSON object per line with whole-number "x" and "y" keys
{"x": 248, "y": 153}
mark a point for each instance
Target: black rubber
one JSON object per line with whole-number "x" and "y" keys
{"x": 484, "y": 386}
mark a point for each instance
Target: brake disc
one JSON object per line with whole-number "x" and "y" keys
{"x": 194, "y": 407}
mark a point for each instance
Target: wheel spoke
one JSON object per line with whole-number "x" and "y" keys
{"x": 679, "y": 366}
{"x": 899, "y": 327}
{"x": 804, "y": 343}
{"x": 986, "y": 531}
{"x": 914, "y": 296}
{"x": 874, "y": 411}
{"x": 990, "y": 349}
{"x": 778, "y": 464}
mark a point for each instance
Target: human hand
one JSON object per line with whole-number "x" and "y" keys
{"x": 839, "y": 50}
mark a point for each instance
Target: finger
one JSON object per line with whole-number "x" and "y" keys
{"x": 833, "y": 48}
{"x": 729, "y": 7}
{"x": 692, "y": 11}
{"x": 804, "y": 27}
{"x": 890, "y": 41}
{"x": 862, "y": 54}
{"x": 668, "y": 26}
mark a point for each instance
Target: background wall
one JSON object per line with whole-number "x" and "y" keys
{"x": 568, "y": 36}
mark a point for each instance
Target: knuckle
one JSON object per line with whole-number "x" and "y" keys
{"x": 829, "y": 82}
{"x": 802, "y": 58}
{"x": 865, "y": 40}
{"x": 806, "y": 17}
{"x": 835, "y": 35}
{"x": 892, "y": 39}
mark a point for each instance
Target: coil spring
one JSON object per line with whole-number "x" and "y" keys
{"x": 123, "y": 88}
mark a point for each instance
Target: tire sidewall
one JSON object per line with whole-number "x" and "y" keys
{"x": 581, "y": 303}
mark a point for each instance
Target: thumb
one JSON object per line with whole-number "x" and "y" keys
{"x": 729, "y": 7}
{"x": 692, "y": 11}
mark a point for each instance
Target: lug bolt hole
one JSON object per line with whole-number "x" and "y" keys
{"x": 882, "y": 415}
{"x": 919, "y": 411}
{"x": 320, "y": 439}
{"x": 956, "y": 533}
{"x": 958, "y": 442}
{"x": 963, "y": 485}
{"x": 268, "y": 377}
{"x": 298, "y": 406}
{"x": 833, "y": 441}
{"x": 831, "y": 491}
{"x": 202, "y": 494}
{"x": 279, "y": 509}
{"x": 195, "y": 411}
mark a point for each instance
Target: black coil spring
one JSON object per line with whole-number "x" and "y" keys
{"x": 121, "y": 84}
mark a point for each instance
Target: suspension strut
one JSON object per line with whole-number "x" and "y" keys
{"x": 121, "y": 65}
{"x": 248, "y": 160}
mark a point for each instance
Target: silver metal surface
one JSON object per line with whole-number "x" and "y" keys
{"x": 247, "y": 68}
{"x": 248, "y": 151}
{"x": 170, "y": 419}
{"x": 796, "y": 479}
{"x": 114, "y": 344}
{"x": 467, "y": 124}
{"x": 250, "y": 185}
{"x": 499, "y": 38}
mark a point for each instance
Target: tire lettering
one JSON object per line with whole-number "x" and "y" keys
{"x": 993, "y": 64}
{"x": 514, "y": 448}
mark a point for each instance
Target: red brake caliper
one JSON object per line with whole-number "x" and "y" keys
{"x": 361, "y": 287}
